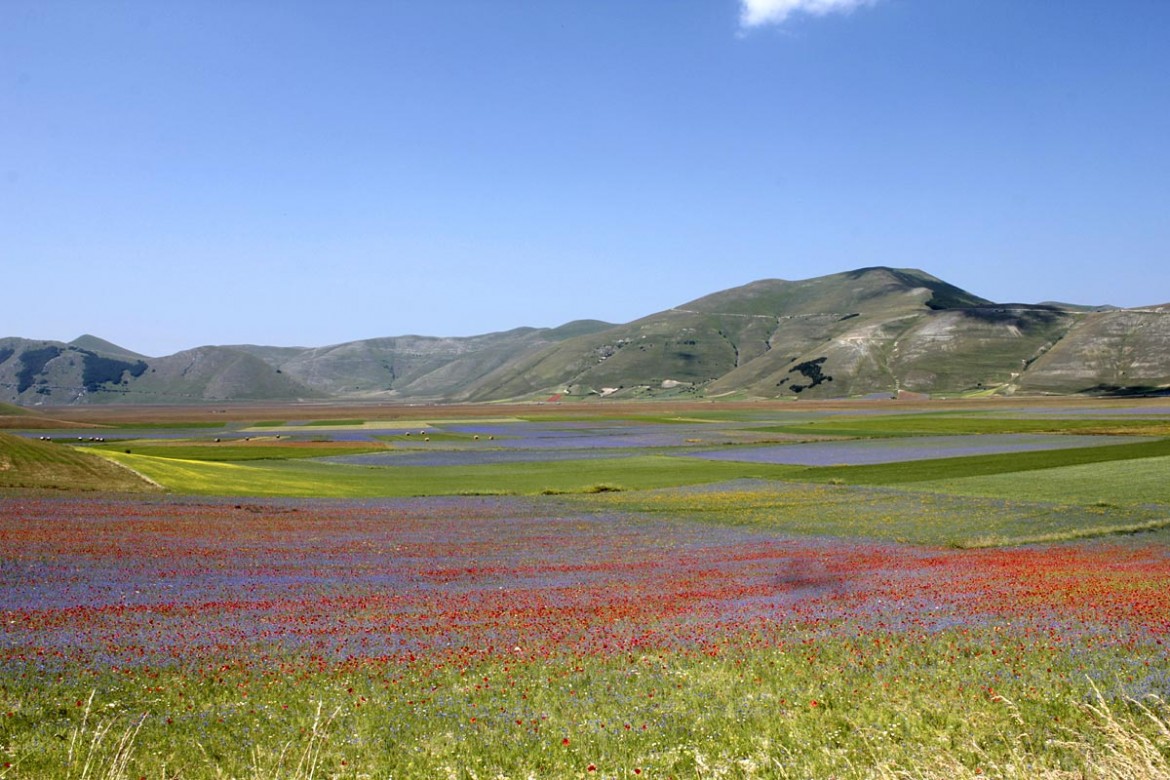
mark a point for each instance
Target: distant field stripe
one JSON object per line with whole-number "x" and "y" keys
{"x": 226, "y": 451}
{"x": 869, "y": 451}
{"x": 890, "y": 426}
{"x": 983, "y": 465}
{"x": 167, "y": 426}
{"x": 1094, "y": 532}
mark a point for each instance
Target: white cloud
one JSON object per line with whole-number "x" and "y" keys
{"x": 757, "y": 12}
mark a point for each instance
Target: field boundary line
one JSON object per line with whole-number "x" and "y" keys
{"x": 135, "y": 472}
{"x": 1096, "y": 532}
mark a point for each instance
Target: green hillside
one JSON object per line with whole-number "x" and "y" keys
{"x": 211, "y": 374}
{"x": 762, "y": 338}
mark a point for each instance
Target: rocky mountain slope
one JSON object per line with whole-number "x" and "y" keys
{"x": 869, "y": 331}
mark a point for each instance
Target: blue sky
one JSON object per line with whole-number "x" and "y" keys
{"x": 305, "y": 173}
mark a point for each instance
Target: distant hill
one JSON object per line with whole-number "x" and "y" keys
{"x": 47, "y": 372}
{"x": 869, "y": 331}
{"x": 102, "y": 347}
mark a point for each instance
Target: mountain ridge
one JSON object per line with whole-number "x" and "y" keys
{"x": 873, "y": 330}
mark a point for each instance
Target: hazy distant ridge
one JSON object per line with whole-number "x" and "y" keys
{"x": 873, "y": 330}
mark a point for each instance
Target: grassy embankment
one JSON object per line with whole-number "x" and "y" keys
{"x": 26, "y": 463}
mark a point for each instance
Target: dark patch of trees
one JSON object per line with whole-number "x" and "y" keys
{"x": 33, "y": 362}
{"x": 1128, "y": 391}
{"x": 812, "y": 370}
{"x": 97, "y": 370}
{"x": 6, "y": 353}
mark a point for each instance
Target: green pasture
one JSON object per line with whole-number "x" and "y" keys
{"x": 1129, "y": 482}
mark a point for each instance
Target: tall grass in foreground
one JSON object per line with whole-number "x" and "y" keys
{"x": 95, "y": 753}
{"x": 1130, "y": 741}
{"x": 1124, "y": 740}
{"x": 958, "y": 704}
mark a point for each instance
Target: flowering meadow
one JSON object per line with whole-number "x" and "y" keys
{"x": 865, "y": 590}
{"x": 481, "y": 637}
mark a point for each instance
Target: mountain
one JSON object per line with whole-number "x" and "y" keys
{"x": 412, "y": 367}
{"x": 1121, "y": 351}
{"x": 102, "y": 347}
{"x": 869, "y": 331}
{"x": 50, "y": 372}
{"x": 416, "y": 366}
{"x": 755, "y": 340}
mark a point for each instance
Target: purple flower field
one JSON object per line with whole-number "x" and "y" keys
{"x": 867, "y": 451}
